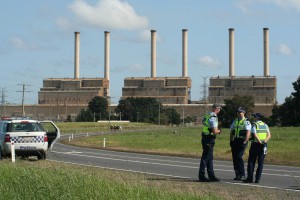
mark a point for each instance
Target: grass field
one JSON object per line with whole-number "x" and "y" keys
{"x": 57, "y": 181}
{"x": 283, "y": 147}
{"x": 33, "y": 179}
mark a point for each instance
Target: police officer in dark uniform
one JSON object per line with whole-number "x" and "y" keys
{"x": 209, "y": 132}
{"x": 239, "y": 136}
{"x": 260, "y": 135}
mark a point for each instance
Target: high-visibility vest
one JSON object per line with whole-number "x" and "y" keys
{"x": 261, "y": 131}
{"x": 206, "y": 129}
{"x": 240, "y": 128}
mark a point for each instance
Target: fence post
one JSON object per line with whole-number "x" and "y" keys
{"x": 13, "y": 155}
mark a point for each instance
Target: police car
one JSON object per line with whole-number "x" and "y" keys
{"x": 28, "y": 137}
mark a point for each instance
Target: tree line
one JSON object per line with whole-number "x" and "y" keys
{"x": 152, "y": 111}
{"x": 148, "y": 110}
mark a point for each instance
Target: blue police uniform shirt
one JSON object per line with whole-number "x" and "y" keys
{"x": 213, "y": 121}
{"x": 246, "y": 123}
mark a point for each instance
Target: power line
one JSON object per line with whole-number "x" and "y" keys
{"x": 23, "y": 98}
{"x": 204, "y": 92}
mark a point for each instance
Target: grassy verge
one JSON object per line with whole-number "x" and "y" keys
{"x": 51, "y": 180}
{"x": 283, "y": 148}
{"x": 83, "y": 127}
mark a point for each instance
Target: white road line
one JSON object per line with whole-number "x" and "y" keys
{"x": 162, "y": 164}
{"x": 165, "y": 175}
{"x": 285, "y": 172}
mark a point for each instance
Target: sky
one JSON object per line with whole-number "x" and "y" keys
{"x": 37, "y": 41}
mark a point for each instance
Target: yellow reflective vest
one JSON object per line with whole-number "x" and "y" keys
{"x": 261, "y": 131}
{"x": 239, "y": 128}
{"x": 206, "y": 129}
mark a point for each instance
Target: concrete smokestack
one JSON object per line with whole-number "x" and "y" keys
{"x": 231, "y": 52}
{"x": 266, "y": 52}
{"x": 184, "y": 53}
{"x": 106, "y": 54}
{"x": 76, "y": 55}
{"x": 153, "y": 53}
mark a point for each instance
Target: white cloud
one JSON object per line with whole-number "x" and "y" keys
{"x": 18, "y": 43}
{"x": 210, "y": 62}
{"x": 145, "y": 35}
{"x": 284, "y": 49}
{"x": 64, "y": 23}
{"x": 111, "y": 14}
{"x": 245, "y": 5}
{"x": 137, "y": 68}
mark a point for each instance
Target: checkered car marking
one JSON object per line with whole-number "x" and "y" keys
{"x": 34, "y": 139}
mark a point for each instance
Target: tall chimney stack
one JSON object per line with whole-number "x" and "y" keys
{"x": 184, "y": 53}
{"x": 76, "y": 55}
{"x": 153, "y": 53}
{"x": 106, "y": 54}
{"x": 231, "y": 52}
{"x": 266, "y": 52}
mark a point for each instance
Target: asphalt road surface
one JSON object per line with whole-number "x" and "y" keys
{"x": 277, "y": 177}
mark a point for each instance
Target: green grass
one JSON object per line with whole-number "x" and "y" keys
{"x": 52, "y": 180}
{"x": 83, "y": 127}
{"x": 283, "y": 147}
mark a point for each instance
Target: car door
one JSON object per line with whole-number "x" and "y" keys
{"x": 52, "y": 131}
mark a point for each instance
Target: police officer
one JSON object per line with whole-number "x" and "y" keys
{"x": 260, "y": 135}
{"x": 209, "y": 132}
{"x": 239, "y": 136}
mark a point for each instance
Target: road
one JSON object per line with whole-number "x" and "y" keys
{"x": 276, "y": 177}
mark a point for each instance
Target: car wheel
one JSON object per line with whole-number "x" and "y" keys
{"x": 42, "y": 156}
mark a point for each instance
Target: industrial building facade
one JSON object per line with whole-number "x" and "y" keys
{"x": 262, "y": 89}
{"x": 73, "y": 94}
{"x": 72, "y": 91}
{"x": 168, "y": 90}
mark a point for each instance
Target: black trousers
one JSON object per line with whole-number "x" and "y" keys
{"x": 256, "y": 152}
{"x": 207, "y": 157}
{"x": 237, "y": 149}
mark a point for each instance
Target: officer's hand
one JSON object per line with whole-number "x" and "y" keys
{"x": 244, "y": 145}
{"x": 220, "y": 131}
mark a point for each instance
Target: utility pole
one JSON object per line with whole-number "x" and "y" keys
{"x": 204, "y": 93}
{"x": 23, "y": 98}
{"x": 158, "y": 113}
{"x": 3, "y": 103}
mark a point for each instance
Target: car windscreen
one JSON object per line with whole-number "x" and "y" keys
{"x": 24, "y": 127}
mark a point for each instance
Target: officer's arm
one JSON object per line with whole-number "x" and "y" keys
{"x": 256, "y": 137}
{"x": 214, "y": 124}
{"x": 248, "y": 132}
{"x": 231, "y": 130}
{"x": 215, "y": 131}
{"x": 268, "y": 136}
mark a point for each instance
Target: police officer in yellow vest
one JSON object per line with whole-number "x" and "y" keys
{"x": 260, "y": 135}
{"x": 209, "y": 131}
{"x": 239, "y": 136}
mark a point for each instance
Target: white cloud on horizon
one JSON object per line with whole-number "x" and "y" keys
{"x": 135, "y": 68}
{"x": 284, "y": 49}
{"x": 209, "y": 62}
{"x": 19, "y": 43}
{"x": 111, "y": 14}
{"x": 64, "y": 23}
{"x": 245, "y": 5}
{"x": 145, "y": 36}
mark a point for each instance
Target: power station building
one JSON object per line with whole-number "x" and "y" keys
{"x": 261, "y": 88}
{"x": 168, "y": 90}
{"x": 61, "y": 97}
{"x": 68, "y": 91}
